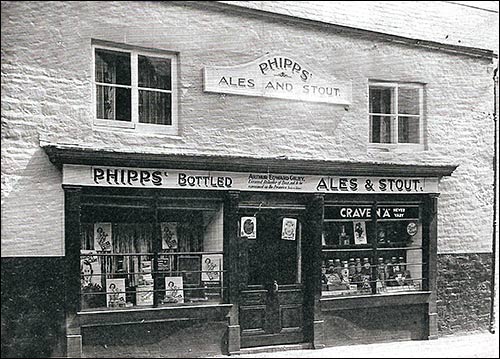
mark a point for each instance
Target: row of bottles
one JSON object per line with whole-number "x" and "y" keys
{"x": 342, "y": 274}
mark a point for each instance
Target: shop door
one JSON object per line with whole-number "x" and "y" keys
{"x": 271, "y": 305}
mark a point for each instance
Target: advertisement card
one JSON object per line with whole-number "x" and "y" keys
{"x": 102, "y": 237}
{"x": 90, "y": 268}
{"x": 174, "y": 290}
{"x": 144, "y": 294}
{"x": 248, "y": 227}
{"x": 211, "y": 267}
{"x": 360, "y": 233}
{"x": 115, "y": 296}
{"x": 288, "y": 229}
{"x": 169, "y": 235}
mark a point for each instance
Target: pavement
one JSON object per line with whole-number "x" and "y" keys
{"x": 477, "y": 345}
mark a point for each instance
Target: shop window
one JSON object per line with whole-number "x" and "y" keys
{"x": 395, "y": 113}
{"x": 135, "y": 89}
{"x": 139, "y": 257}
{"x": 363, "y": 256}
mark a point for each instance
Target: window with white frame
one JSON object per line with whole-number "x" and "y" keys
{"x": 396, "y": 112}
{"x": 135, "y": 89}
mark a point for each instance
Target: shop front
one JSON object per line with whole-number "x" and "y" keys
{"x": 248, "y": 252}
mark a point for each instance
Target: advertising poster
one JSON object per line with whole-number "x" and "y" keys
{"x": 211, "y": 265}
{"x": 144, "y": 295}
{"x": 288, "y": 229}
{"x": 90, "y": 268}
{"x": 174, "y": 290}
{"x": 115, "y": 296}
{"x": 359, "y": 233}
{"x": 169, "y": 235}
{"x": 248, "y": 227}
{"x": 102, "y": 237}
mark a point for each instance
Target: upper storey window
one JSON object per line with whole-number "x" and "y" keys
{"x": 396, "y": 112}
{"x": 135, "y": 89}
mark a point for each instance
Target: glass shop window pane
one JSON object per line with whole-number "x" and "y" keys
{"x": 408, "y": 130}
{"x": 381, "y": 100}
{"x": 112, "y": 67}
{"x": 155, "y": 72}
{"x": 113, "y": 103}
{"x": 409, "y": 101}
{"x": 380, "y": 129}
{"x": 155, "y": 107}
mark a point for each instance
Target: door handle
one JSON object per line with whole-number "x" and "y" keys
{"x": 275, "y": 287}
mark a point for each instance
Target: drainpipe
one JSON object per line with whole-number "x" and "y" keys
{"x": 494, "y": 244}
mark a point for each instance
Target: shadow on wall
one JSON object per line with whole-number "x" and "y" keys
{"x": 32, "y": 307}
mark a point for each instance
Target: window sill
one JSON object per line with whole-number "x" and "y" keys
{"x": 107, "y": 317}
{"x": 395, "y": 147}
{"x": 139, "y": 128}
{"x": 374, "y": 300}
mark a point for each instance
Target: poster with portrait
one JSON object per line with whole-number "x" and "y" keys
{"x": 288, "y": 229}
{"x": 359, "y": 232}
{"x": 144, "y": 294}
{"x": 90, "y": 268}
{"x": 169, "y": 235}
{"x": 211, "y": 265}
{"x": 115, "y": 296}
{"x": 248, "y": 227}
{"x": 174, "y": 290}
{"x": 103, "y": 237}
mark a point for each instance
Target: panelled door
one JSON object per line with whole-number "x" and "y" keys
{"x": 271, "y": 304}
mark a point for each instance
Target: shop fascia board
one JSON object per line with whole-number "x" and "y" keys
{"x": 62, "y": 154}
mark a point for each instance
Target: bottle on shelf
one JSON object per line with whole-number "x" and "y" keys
{"x": 365, "y": 275}
{"x": 359, "y": 266}
{"x": 380, "y": 275}
{"x": 402, "y": 264}
{"x": 338, "y": 267}
{"x": 352, "y": 269}
{"x": 343, "y": 237}
{"x": 345, "y": 272}
{"x": 389, "y": 273}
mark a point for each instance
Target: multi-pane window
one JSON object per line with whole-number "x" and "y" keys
{"x": 365, "y": 256}
{"x": 135, "y": 89}
{"x": 134, "y": 254}
{"x": 396, "y": 113}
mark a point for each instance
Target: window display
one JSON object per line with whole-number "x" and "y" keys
{"x": 167, "y": 257}
{"x": 366, "y": 255}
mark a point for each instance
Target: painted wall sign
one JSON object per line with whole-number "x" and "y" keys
{"x": 279, "y": 77}
{"x": 269, "y": 182}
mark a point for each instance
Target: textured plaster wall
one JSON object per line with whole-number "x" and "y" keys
{"x": 47, "y": 95}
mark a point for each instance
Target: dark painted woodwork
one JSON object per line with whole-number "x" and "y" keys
{"x": 430, "y": 253}
{"x": 312, "y": 246}
{"x": 216, "y": 312}
{"x": 379, "y": 324}
{"x": 88, "y": 156}
{"x": 374, "y": 301}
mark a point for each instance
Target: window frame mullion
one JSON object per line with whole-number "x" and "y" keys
{"x": 134, "y": 72}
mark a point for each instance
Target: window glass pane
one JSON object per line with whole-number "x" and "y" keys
{"x": 154, "y": 72}
{"x": 408, "y": 130}
{"x": 113, "y": 103}
{"x": 409, "y": 101}
{"x": 381, "y": 100}
{"x": 155, "y": 107}
{"x": 117, "y": 258}
{"x": 380, "y": 129}
{"x": 112, "y": 67}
